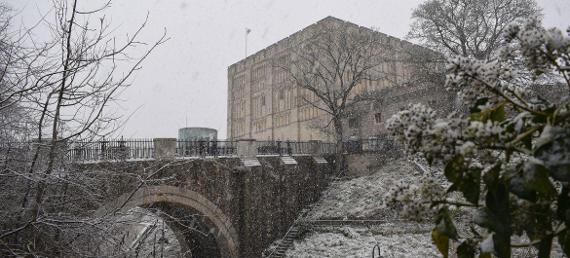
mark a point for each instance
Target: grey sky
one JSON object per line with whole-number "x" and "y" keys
{"x": 187, "y": 77}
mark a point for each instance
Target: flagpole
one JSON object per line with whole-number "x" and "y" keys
{"x": 247, "y": 31}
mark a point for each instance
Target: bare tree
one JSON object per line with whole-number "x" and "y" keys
{"x": 14, "y": 117}
{"x": 330, "y": 63}
{"x": 65, "y": 84}
{"x": 467, "y": 27}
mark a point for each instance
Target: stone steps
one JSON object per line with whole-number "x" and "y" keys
{"x": 286, "y": 242}
{"x": 296, "y": 230}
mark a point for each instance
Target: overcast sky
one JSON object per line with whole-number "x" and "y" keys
{"x": 186, "y": 79}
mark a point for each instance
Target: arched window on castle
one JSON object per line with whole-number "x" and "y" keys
{"x": 258, "y": 76}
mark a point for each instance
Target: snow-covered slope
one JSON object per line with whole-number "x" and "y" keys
{"x": 362, "y": 197}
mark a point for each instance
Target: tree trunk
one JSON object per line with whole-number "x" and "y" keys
{"x": 339, "y": 155}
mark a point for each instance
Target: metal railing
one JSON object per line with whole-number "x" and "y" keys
{"x": 185, "y": 148}
{"x": 327, "y": 147}
{"x": 273, "y": 148}
{"x": 371, "y": 145}
{"x": 289, "y": 148}
{"x": 143, "y": 149}
{"x": 302, "y": 148}
{"x": 120, "y": 149}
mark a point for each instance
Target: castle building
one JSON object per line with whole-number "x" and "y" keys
{"x": 264, "y": 104}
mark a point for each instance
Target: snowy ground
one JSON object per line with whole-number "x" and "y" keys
{"x": 362, "y": 197}
{"x": 140, "y": 233}
{"x": 360, "y": 242}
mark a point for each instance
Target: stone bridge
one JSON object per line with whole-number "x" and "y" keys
{"x": 243, "y": 202}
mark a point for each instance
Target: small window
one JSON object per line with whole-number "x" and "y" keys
{"x": 378, "y": 118}
{"x": 263, "y": 100}
{"x": 281, "y": 94}
{"x": 353, "y": 123}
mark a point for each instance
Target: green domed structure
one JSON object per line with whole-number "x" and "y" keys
{"x": 197, "y": 134}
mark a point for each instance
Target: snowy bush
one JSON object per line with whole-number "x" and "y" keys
{"x": 412, "y": 201}
{"x": 509, "y": 154}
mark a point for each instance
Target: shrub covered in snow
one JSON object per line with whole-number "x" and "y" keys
{"x": 509, "y": 155}
{"x": 412, "y": 201}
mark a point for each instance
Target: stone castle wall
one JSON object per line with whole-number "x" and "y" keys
{"x": 371, "y": 117}
{"x": 264, "y": 105}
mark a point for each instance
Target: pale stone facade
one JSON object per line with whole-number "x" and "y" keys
{"x": 263, "y": 104}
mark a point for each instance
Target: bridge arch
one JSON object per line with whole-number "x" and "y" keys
{"x": 221, "y": 227}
